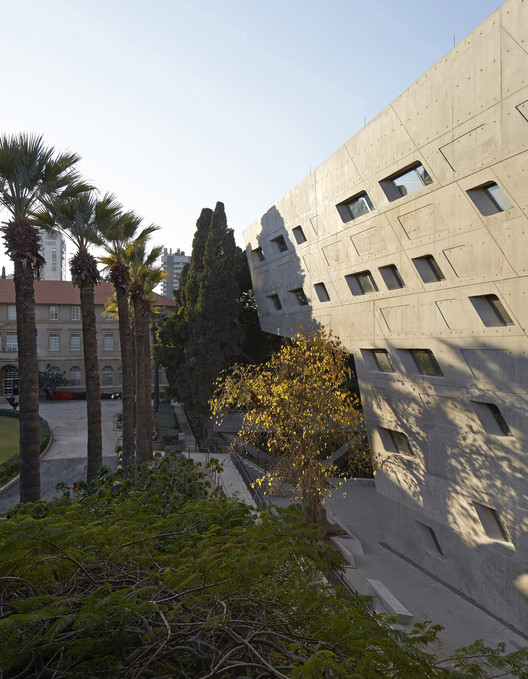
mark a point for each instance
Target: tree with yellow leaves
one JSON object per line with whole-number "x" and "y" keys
{"x": 298, "y": 405}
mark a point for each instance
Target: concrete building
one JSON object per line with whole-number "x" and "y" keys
{"x": 410, "y": 244}
{"x": 172, "y": 264}
{"x": 53, "y": 249}
{"x": 59, "y": 335}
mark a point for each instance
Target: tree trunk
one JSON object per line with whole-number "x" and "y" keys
{"x": 91, "y": 369}
{"x": 148, "y": 387}
{"x": 127, "y": 373}
{"x": 156, "y": 384}
{"x": 27, "y": 384}
{"x": 143, "y": 414}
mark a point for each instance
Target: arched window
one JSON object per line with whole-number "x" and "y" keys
{"x": 10, "y": 380}
{"x": 107, "y": 376}
{"x": 75, "y": 376}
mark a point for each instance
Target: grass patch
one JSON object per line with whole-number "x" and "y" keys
{"x": 9, "y": 438}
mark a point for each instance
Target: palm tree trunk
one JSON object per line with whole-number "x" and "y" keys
{"x": 91, "y": 369}
{"x": 127, "y": 372}
{"x": 148, "y": 389}
{"x": 143, "y": 415}
{"x": 28, "y": 384}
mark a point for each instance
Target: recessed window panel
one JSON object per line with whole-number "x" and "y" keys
{"x": 298, "y": 233}
{"x": 491, "y": 418}
{"x": 406, "y": 182}
{"x": 425, "y": 362}
{"x": 322, "y": 292}
{"x": 431, "y": 541}
{"x": 395, "y": 441}
{"x": 54, "y": 312}
{"x": 280, "y": 243}
{"x": 11, "y": 312}
{"x": 489, "y": 199}
{"x": 391, "y": 277}
{"x": 258, "y": 254}
{"x": 108, "y": 341}
{"x": 275, "y": 302}
{"x": 491, "y": 310}
{"x": 361, "y": 283}
{"x": 355, "y": 207}
{"x": 428, "y": 269}
{"x": 299, "y": 295}
{"x": 491, "y": 522}
{"x": 75, "y": 313}
{"x": 382, "y": 360}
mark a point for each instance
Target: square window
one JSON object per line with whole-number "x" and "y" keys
{"x": 391, "y": 277}
{"x": 280, "y": 242}
{"x": 382, "y": 360}
{"x": 53, "y": 341}
{"x": 425, "y": 362}
{"x": 75, "y": 313}
{"x": 491, "y": 522}
{"x": 361, "y": 283}
{"x": 489, "y": 199}
{"x": 75, "y": 341}
{"x": 395, "y": 442}
{"x": 491, "y": 418}
{"x": 258, "y": 254}
{"x": 275, "y": 302}
{"x": 11, "y": 312}
{"x": 428, "y": 269}
{"x": 54, "y": 312}
{"x": 300, "y": 296}
{"x": 107, "y": 376}
{"x": 491, "y": 310}
{"x": 322, "y": 292}
{"x": 11, "y": 341}
{"x": 355, "y": 207}
{"x": 300, "y": 238}
{"x": 75, "y": 376}
{"x": 406, "y": 182}
{"x": 108, "y": 341}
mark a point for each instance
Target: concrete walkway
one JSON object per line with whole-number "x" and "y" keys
{"x": 229, "y": 478}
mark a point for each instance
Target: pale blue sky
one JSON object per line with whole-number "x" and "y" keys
{"x": 176, "y": 104}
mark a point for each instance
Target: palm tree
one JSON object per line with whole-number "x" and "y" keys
{"x": 30, "y": 172}
{"x": 117, "y": 236}
{"x": 79, "y": 219}
{"x": 145, "y": 275}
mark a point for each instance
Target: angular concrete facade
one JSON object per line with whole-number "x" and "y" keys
{"x": 411, "y": 244}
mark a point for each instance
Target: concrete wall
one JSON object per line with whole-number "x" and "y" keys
{"x": 451, "y": 447}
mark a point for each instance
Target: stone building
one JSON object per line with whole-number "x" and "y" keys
{"x": 59, "y": 334}
{"x": 410, "y": 243}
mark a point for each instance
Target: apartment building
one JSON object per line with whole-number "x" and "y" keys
{"x": 410, "y": 244}
{"x": 172, "y": 264}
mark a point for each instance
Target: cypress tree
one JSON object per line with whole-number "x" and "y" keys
{"x": 215, "y": 331}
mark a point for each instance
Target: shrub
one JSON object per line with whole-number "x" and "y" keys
{"x": 140, "y": 574}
